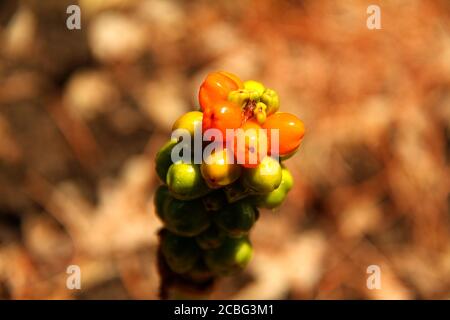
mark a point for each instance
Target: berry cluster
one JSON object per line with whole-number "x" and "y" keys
{"x": 208, "y": 208}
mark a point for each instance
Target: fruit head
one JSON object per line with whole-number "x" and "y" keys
{"x": 290, "y": 131}
{"x": 162, "y": 195}
{"x": 232, "y": 256}
{"x": 211, "y": 238}
{"x": 264, "y": 178}
{"x": 186, "y": 218}
{"x": 216, "y": 88}
{"x": 189, "y": 121}
{"x": 163, "y": 159}
{"x": 220, "y": 169}
{"x": 185, "y": 181}
{"x": 215, "y": 223}
{"x": 236, "y": 219}
{"x": 180, "y": 253}
{"x": 222, "y": 116}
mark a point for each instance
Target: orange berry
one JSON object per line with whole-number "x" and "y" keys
{"x": 291, "y": 131}
{"x": 216, "y": 87}
{"x": 222, "y": 116}
{"x": 250, "y": 144}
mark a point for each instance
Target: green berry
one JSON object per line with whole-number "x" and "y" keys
{"x": 232, "y": 256}
{"x": 186, "y": 218}
{"x": 271, "y": 100}
{"x": 219, "y": 169}
{"x": 254, "y": 86}
{"x": 240, "y": 97}
{"x": 265, "y": 177}
{"x": 275, "y": 198}
{"x": 210, "y": 238}
{"x": 185, "y": 181}
{"x": 271, "y": 200}
{"x": 287, "y": 181}
{"x": 214, "y": 200}
{"x": 236, "y": 219}
{"x": 162, "y": 195}
{"x": 163, "y": 159}
{"x": 190, "y": 121}
{"x": 180, "y": 253}
{"x": 200, "y": 272}
{"x": 260, "y": 112}
{"x": 235, "y": 192}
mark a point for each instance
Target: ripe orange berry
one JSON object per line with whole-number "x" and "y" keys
{"x": 222, "y": 116}
{"x": 291, "y": 131}
{"x": 234, "y": 77}
{"x": 216, "y": 87}
{"x": 250, "y": 144}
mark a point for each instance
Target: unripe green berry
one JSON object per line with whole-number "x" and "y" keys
{"x": 185, "y": 181}
{"x": 199, "y": 272}
{"x": 215, "y": 200}
{"x": 232, "y": 256}
{"x": 186, "y": 218}
{"x": 271, "y": 200}
{"x": 271, "y": 100}
{"x": 254, "y": 96}
{"x": 236, "y": 191}
{"x": 265, "y": 177}
{"x": 260, "y": 112}
{"x": 255, "y": 86}
{"x": 236, "y": 219}
{"x": 287, "y": 181}
{"x": 162, "y": 195}
{"x": 240, "y": 97}
{"x": 180, "y": 253}
{"x": 211, "y": 238}
{"x": 275, "y": 198}
{"x": 163, "y": 159}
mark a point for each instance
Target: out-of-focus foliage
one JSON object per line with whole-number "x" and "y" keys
{"x": 83, "y": 112}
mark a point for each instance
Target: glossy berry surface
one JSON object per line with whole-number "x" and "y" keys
{"x": 185, "y": 181}
{"x": 250, "y": 144}
{"x": 222, "y": 116}
{"x": 291, "y": 131}
{"x": 219, "y": 169}
{"x": 231, "y": 257}
{"x": 216, "y": 88}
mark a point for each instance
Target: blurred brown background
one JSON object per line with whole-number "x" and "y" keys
{"x": 83, "y": 112}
